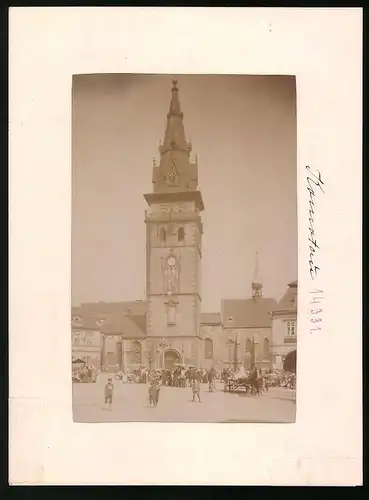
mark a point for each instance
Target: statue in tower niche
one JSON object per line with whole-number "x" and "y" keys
{"x": 171, "y": 274}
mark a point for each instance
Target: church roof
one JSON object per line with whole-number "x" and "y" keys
{"x": 118, "y": 324}
{"x": 247, "y": 313}
{"x": 210, "y": 319}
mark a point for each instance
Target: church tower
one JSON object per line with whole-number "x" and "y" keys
{"x": 173, "y": 248}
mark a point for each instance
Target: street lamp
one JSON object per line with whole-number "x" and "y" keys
{"x": 150, "y": 360}
{"x": 182, "y": 352}
{"x": 163, "y": 345}
{"x": 253, "y": 351}
{"x": 230, "y": 344}
{"x": 122, "y": 363}
{"x": 236, "y": 344}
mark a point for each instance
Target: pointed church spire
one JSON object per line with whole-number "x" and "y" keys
{"x": 175, "y": 173}
{"x": 257, "y": 287}
{"x": 174, "y": 138}
{"x": 175, "y": 107}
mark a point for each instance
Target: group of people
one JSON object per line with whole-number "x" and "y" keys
{"x": 258, "y": 380}
{"x": 192, "y": 377}
{"x": 157, "y": 378}
{"x": 177, "y": 376}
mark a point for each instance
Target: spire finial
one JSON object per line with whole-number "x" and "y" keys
{"x": 174, "y": 82}
{"x": 256, "y": 270}
{"x": 257, "y": 288}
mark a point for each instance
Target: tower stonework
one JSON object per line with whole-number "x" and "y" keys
{"x": 173, "y": 248}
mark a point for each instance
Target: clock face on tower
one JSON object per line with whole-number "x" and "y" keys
{"x": 173, "y": 177}
{"x": 171, "y": 261}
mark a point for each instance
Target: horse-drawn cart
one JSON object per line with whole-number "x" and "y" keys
{"x": 237, "y": 384}
{"x": 242, "y": 381}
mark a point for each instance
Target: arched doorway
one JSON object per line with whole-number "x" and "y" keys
{"x": 170, "y": 357}
{"x": 289, "y": 364}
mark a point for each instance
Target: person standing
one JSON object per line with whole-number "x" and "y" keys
{"x": 109, "y": 389}
{"x": 211, "y": 377}
{"x": 196, "y": 389}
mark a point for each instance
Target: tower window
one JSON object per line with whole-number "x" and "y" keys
{"x": 208, "y": 349}
{"x": 181, "y": 234}
{"x": 248, "y": 345}
{"x": 137, "y": 352}
{"x": 163, "y": 235}
{"x": 171, "y": 314}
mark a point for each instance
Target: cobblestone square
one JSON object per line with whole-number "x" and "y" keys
{"x": 131, "y": 404}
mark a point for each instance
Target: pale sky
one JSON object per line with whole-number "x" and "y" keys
{"x": 243, "y": 129}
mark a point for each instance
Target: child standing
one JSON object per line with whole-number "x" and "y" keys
{"x": 151, "y": 393}
{"x": 109, "y": 388}
{"x": 196, "y": 388}
{"x": 154, "y": 391}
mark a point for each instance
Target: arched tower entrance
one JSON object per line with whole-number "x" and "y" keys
{"x": 170, "y": 357}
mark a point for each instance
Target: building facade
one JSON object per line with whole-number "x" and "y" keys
{"x": 169, "y": 326}
{"x": 284, "y": 327}
{"x": 86, "y": 340}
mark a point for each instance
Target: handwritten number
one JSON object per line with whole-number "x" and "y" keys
{"x": 316, "y": 312}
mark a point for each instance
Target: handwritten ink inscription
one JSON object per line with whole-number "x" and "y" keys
{"x": 314, "y": 181}
{"x": 314, "y": 185}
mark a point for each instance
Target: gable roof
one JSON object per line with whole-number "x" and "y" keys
{"x": 248, "y": 313}
{"x": 288, "y": 301}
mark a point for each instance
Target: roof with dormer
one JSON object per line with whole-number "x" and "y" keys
{"x": 107, "y": 317}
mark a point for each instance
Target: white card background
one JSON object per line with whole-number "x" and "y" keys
{"x": 322, "y": 47}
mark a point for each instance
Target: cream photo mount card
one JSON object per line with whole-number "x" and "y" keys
{"x": 261, "y": 208}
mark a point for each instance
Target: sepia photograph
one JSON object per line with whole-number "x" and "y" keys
{"x": 184, "y": 248}
{"x": 179, "y": 214}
